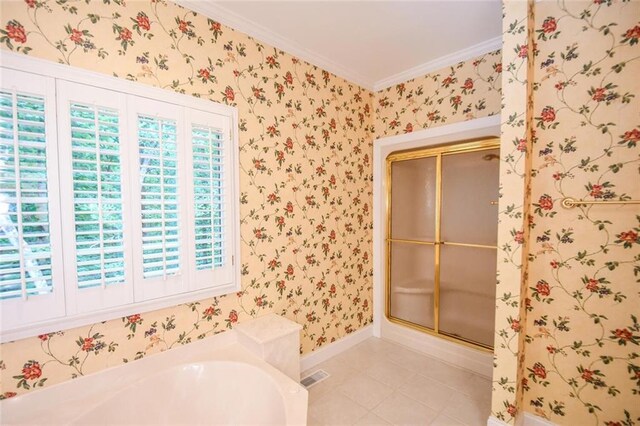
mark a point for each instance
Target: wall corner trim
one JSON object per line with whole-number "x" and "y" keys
{"x": 345, "y": 343}
{"x": 439, "y": 63}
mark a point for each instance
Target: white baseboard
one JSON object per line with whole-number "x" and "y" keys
{"x": 332, "y": 349}
{"x": 529, "y": 420}
{"x": 453, "y": 353}
{"x": 494, "y": 421}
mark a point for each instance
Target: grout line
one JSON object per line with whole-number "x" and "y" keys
{"x": 395, "y": 390}
{"x": 417, "y": 352}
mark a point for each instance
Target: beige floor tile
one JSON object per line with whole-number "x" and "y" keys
{"x": 389, "y": 373}
{"x": 448, "y": 375}
{"x": 475, "y": 386}
{"x": 371, "y": 419}
{"x": 399, "y": 409}
{"x": 480, "y": 388}
{"x": 338, "y": 373}
{"x": 412, "y": 360}
{"x": 335, "y": 409}
{"x": 312, "y": 421}
{"x": 467, "y": 410}
{"x": 359, "y": 358}
{"x": 427, "y": 391}
{"x": 334, "y": 367}
{"x": 443, "y": 420}
{"x": 321, "y": 389}
{"x": 375, "y": 344}
{"x": 365, "y": 390}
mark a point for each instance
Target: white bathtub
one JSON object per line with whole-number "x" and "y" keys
{"x": 211, "y": 382}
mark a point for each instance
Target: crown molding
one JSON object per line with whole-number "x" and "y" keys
{"x": 439, "y": 63}
{"x": 237, "y": 22}
{"x": 263, "y": 34}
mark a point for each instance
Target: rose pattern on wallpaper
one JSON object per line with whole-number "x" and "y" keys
{"x": 464, "y": 91}
{"x": 305, "y": 165}
{"x": 582, "y": 333}
{"x": 583, "y": 262}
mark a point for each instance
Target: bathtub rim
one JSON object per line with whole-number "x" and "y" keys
{"x": 77, "y": 420}
{"x": 104, "y": 384}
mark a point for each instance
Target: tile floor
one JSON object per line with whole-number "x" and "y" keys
{"x": 382, "y": 383}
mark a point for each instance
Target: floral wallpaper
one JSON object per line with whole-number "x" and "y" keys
{"x": 464, "y": 91}
{"x": 567, "y": 332}
{"x": 305, "y": 159}
{"x": 582, "y": 355}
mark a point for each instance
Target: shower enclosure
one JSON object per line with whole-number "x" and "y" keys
{"x": 441, "y": 240}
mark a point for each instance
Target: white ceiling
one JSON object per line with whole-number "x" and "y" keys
{"x": 372, "y": 43}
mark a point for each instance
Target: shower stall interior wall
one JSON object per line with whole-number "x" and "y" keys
{"x": 441, "y": 240}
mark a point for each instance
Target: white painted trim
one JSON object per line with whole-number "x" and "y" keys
{"x": 494, "y": 421}
{"x": 79, "y": 320}
{"x": 439, "y": 63}
{"x": 316, "y": 357}
{"x": 262, "y": 34}
{"x": 531, "y": 419}
{"x": 461, "y": 356}
{"x": 472, "y": 129}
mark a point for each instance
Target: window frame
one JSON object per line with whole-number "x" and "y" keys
{"x": 72, "y": 316}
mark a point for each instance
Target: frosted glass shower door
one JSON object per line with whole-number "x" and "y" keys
{"x": 412, "y": 240}
{"x": 441, "y": 240}
{"x": 413, "y": 204}
{"x": 468, "y": 252}
{"x": 412, "y": 283}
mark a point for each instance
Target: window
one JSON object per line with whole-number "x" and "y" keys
{"x": 115, "y": 198}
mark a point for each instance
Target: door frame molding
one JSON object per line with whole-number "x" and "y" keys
{"x": 472, "y": 129}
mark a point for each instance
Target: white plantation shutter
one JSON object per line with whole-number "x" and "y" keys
{"x": 25, "y": 244}
{"x": 141, "y": 182}
{"x": 159, "y": 179}
{"x": 97, "y": 190}
{"x": 158, "y": 150}
{"x": 95, "y": 199}
{"x": 30, "y": 245}
{"x": 210, "y": 199}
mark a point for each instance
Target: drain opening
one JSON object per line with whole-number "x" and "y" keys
{"x": 314, "y": 378}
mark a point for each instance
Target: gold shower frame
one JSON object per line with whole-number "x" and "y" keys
{"x": 438, "y": 152}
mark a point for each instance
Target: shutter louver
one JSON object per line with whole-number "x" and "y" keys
{"x": 25, "y": 246}
{"x": 208, "y": 189}
{"x": 158, "y": 150}
{"x": 97, "y": 191}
